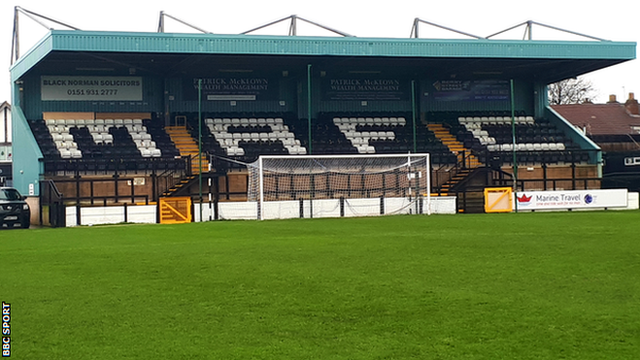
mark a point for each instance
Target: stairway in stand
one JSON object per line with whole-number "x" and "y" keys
{"x": 188, "y": 147}
{"x": 457, "y": 148}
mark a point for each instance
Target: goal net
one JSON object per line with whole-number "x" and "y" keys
{"x": 340, "y": 185}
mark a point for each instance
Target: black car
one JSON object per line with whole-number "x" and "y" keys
{"x": 13, "y": 209}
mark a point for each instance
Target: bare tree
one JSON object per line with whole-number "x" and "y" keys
{"x": 571, "y": 91}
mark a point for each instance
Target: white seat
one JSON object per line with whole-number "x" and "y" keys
{"x": 118, "y": 122}
{"x": 148, "y": 143}
{"x": 537, "y": 147}
{"x": 65, "y": 154}
{"x": 356, "y": 141}
{"x": 561, "y": 147}
{"x": 545, "y": 146}
{"x": 156, "y": 152}
{"x": 145, "y": 152}
{"x": 255, "y": 136}
{"x": 218, "y": 121}
{"x": 127, "y": 121}
{"x": 137, "y": 122}
{"x": 109, "y": 122}
{"x": 69, "y": 145}
{"x": 76, "y": 154}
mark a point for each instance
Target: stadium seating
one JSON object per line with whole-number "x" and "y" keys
{"x": 101, "y": 144}
{"x": 536, "y": 140}
{"x": 253, "y": 136}
{"x": 247, "y": 136}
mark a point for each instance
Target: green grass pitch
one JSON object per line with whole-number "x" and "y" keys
{"x": 502, "y": 286}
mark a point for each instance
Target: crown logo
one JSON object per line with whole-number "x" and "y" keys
{"x": 524, "y": 198}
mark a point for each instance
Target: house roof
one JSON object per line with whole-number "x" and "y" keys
{"x": 600, "y": 119}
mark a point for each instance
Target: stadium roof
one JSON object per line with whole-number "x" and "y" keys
{"x": 166, "y": 54}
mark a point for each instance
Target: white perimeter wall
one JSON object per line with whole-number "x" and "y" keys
{"x": 282, "y": 210}
{"x": 325, "y": 208}
{"x": 111, "y": 215}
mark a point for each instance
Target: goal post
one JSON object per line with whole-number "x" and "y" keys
{"x": 286, "y": 186}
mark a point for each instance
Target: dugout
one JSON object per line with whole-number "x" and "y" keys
{"x": 314, "y": 95}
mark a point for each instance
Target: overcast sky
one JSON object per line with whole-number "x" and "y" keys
{"x": 617, "y": 21}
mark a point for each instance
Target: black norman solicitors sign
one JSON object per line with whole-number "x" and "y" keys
{"x": 232, "y": 88}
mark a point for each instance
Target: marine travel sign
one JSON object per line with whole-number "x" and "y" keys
{"x": 91, "y": 88}
{"x": 571, "y": 199}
